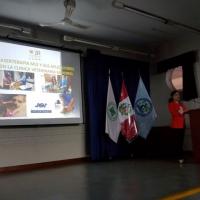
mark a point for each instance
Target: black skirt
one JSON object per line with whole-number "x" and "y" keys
{"x": 177, "y": 141}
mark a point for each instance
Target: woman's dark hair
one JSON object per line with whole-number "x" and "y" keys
{"x": 171, "y": 95}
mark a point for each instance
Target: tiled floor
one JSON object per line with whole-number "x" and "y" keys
{"x": 112, "y": 180}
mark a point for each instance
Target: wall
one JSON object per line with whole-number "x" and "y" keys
{"x": 178, "y": 46}
{"x": 160, "y": 94}
{"x": 20, "y": 146}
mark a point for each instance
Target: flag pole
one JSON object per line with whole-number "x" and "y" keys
{"x": 139, "y": 73}
{"x": 122, "y": 75}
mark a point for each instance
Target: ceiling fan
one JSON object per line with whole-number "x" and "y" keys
{"x": 70, "y": 6}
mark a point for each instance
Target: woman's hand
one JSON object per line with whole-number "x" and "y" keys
{"x": 181, "y": 111}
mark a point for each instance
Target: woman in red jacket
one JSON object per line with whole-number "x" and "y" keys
{"x": 177, "y": 110}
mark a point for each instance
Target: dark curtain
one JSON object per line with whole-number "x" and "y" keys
{"x": 96, "y": 70}
{"x": 187, "y": 61}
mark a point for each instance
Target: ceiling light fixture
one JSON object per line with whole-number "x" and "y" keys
{"x": 67, "y": 38}
{"x": 121, "y": 5}
{"x": 17, "y": 28}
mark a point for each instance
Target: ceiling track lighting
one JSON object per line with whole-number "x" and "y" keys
{"x": 67, "y": 38}
{"x": 17, "y": 28}
{"x": 123, "y": 6}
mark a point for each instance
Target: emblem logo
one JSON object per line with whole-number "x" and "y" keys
{"x": 125, "y": 109}
{"x": 112, "y": 111}
{"x": 41, "y": 105}
{"x": 143, "y": 107}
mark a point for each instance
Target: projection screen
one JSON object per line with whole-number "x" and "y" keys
{"x": 39, "y": 85}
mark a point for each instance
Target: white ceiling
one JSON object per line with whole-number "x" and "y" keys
{"x": 108, "y": 24}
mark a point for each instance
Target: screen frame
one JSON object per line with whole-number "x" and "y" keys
{"x": 50, "y": 121}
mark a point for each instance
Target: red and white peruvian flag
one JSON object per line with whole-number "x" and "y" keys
{"x": 126, "y": 116}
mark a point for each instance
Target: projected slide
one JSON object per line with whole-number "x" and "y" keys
{"x": 39, "y": 86}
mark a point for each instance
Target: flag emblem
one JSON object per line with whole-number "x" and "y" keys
{"x": 143, "y": 107}
{"x": 112, "y": 111}
{"x": 125, "y": 109}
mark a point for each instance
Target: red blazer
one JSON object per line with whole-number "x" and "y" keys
{"x": 177, "y": 118}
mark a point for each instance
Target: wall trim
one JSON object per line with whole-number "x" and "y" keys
{"x": 44, "y": 165}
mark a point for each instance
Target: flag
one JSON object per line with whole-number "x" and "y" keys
{"x": 126, "y": 115}
{"x": 144, "y": 111}
{"x": 112, "y": 120}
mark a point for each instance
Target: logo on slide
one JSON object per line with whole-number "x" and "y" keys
{"x": 34, "y": 54}
{"x": 41, "y": 105}
{"x": 40, "y": 108}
